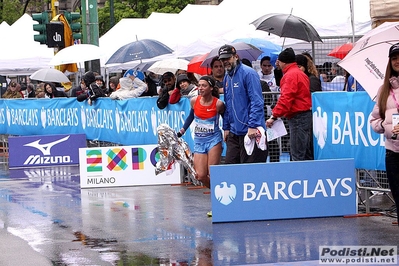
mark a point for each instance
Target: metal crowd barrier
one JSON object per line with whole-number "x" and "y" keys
{"x": 4, "y": 149}
{"x": 370, "y": 184}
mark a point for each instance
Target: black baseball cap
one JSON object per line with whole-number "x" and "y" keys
{"x": 226, "y": 51}
{"x": 394, "y": 49}
{"x": 167, "y": 75}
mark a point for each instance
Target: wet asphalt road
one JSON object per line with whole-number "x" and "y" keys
{"x": 160, "y": 225}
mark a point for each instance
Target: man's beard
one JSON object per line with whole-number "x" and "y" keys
{"x": 232, "y": 66}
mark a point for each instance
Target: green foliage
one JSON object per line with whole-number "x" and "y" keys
{"x": 10, "y": 11}
{"x": 137, "y": 9}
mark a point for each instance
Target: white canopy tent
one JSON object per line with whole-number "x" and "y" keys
{"x": 20, "y": 54}
{"x": 195, "y": 30}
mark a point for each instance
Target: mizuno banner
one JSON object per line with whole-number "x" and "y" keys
{"x": 31, "y": 151}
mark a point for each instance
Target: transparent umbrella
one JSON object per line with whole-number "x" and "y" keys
{"x": 171, "y": 65}
{"x": 49, "y": 75}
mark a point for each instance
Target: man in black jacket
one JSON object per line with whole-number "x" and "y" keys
{"x": 169, "y": 82}
{"x": 93, "y": 91}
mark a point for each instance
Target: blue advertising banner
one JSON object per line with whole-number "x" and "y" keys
{"x": 125, "y": 122}
{"x": 284, "y": 190}
{"x": 28, "y": 151}
{"x": 341, "y": 129}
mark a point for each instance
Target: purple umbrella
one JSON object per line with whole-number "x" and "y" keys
{"x": 244, "y": 50}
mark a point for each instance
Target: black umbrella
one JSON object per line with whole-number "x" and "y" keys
{"x": 287, "y": 25}
{"x": 138, "y": 50}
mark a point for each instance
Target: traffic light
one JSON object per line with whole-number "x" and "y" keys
{"x": 73, "y": 19}
{"x": 43, "y": 19}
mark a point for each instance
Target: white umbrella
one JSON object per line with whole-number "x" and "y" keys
{"x": 49, "y": 75}
{"x": 171, "y": 65}
{"x": 76, "y": 53}
{"x": 368, "y": 59}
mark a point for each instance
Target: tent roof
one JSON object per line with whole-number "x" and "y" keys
{"x": 20, "y": 53}
{"x": 188, "y": 34}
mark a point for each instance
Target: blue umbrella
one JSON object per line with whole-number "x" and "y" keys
{"x": 268, "y": 48}
{"x": 138, "y": 50}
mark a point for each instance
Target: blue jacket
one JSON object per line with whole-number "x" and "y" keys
{"x": 243, "y": 99}
{"x": 351, "y": 84}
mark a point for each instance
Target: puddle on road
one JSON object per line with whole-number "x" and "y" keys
{"x": 203, "y": 254}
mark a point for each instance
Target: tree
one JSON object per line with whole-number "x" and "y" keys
{"x": 137, "y": 9}
{"x": 10, "y": 11}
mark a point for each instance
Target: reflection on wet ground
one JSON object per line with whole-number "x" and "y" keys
{"x": 160, "y": 225}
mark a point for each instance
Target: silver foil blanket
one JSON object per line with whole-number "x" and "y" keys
{"x": 172, "y": 148}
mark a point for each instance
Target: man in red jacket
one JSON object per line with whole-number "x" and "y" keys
{"x": 295, "y": 104}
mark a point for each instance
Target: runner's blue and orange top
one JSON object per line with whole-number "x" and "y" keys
{"x": 206, "y": 121}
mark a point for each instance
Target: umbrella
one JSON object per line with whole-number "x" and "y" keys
{"x": 244, "y": 50}
{"x": 194, "y": 65}
{"x": 138, "y": 50}
{"x": 143, "y": 66}
{"x": 368, "y": 59}
{"x": 268, "y": 48}
{"x": 138, "y": 65}
{"x": 341, "y": 51}
{"x": 49, "y": 75}
{"x": 76, "y": 54}
{"x": 171, "y": 65}
{"x": 287, "y": 25}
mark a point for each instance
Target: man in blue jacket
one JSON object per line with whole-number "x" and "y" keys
{"x": 244, "y": 108}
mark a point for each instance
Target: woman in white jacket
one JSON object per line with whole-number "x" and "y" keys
{"x": 131, "y": 86}
{"x": 385, "y": 120}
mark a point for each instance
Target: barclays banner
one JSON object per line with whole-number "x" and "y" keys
{"x": 285, "y": 190}
{"x": 341, "y": 129}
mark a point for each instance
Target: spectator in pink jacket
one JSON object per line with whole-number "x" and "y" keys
{"x": 385, "y": 120}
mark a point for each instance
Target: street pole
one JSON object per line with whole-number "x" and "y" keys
{"x": 93, "y": 34}
{"x": 54, "y": 8}
{"x": 83, "y": 7}
{"x": 93, "y": 22}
